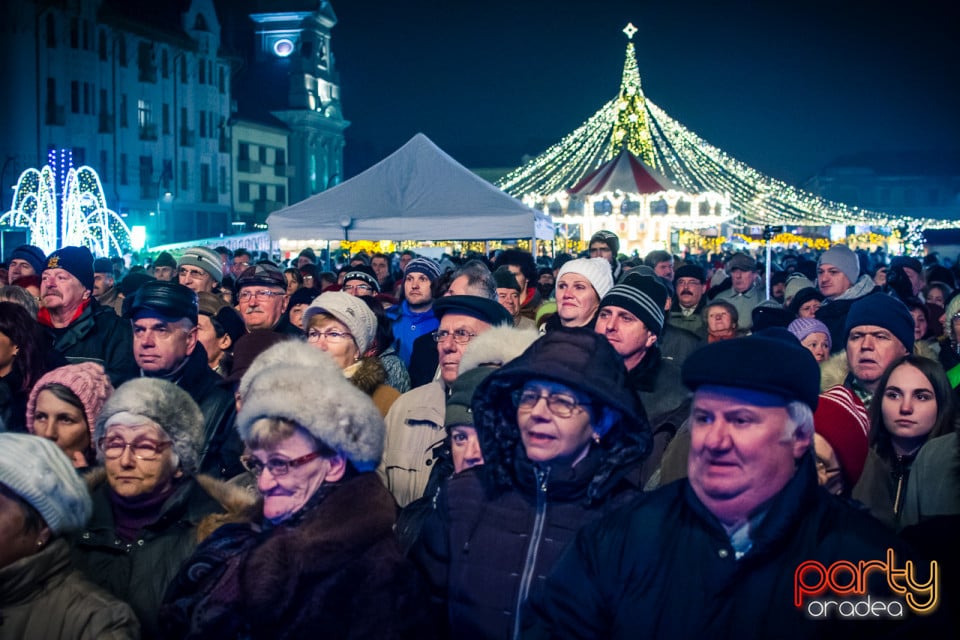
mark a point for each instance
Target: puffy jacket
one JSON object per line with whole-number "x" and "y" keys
{"x": 98, "y": 335}
{"x": 42, "y": 597}
{"x": 140, "y": 570}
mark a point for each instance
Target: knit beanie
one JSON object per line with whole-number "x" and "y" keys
{"x": 426, "y": 266}
{"x": 86, "y": 380}
{"x": 802, "y": 297}
{"x": 166, "y": 405}
{"x": 596, "y": 270}
{"x": 642, "y": 296}
{"x": 840, "y": 256}
{"x": 165, "y": 260}
{"x": 803, "y": 327}
{"x": 794, "y": 284}
{"x": 505, "y": 279}
{"x": 842, "y": 421}
{"x": 31, "y": 254}
{"x": 459, "y": 410}
{"x": 608, "y": 238}
{"x": 203, "y": 258}
{"x": 882, "y": 310}
{"x": 78, "y": 261}
{"x": 364, "y": 273}
{"x": 335, "y": 412}
{"x": 350, "y": 310}
{"x": 37, "y": 470}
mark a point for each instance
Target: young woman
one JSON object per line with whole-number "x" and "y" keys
{"x": 914, "y": 404}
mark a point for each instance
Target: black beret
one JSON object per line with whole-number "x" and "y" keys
{"x": 505, "y": 279}
{"x": 772, "y": 361}
{"x": 475, "y": 307}
{"x": 167, "y": 299}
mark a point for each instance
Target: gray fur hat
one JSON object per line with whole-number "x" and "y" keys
{"x": 166, "y": 404}
{"x": 295, "y": 354}
{"x": 327, "y": 405}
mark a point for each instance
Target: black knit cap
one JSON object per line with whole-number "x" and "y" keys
{"x": 505, "y": 279}
{"x": 608, "y": 238}
{"x": 77, "y": 261}
{"x": 364, "y": 273}
{"x": 772, "y": 361}
{"x": 690, "y": 271}
{"x": 165, "y": 260}
{"x": 642, "y": 296}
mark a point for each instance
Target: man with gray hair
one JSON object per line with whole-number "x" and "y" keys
{"x": 734, "y": 549}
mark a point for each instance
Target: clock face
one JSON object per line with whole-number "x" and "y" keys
{"x": 283, "y": 47}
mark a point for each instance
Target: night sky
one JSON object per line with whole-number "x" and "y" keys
{"x": 786, "y": 87}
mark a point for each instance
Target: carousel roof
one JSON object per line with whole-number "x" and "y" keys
{"x": 595, "y": 152}
{"x": 624, "y": 172}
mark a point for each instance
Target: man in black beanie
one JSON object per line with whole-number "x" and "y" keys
{"x": 605, "y": 244}
{"x": 726, "y": 549}
{"x": 631, "y": 317}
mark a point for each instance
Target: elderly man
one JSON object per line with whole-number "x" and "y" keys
{"x": 508, "y": 294}
{"x": 262, "y": 299}
{"x": 723, "y": 553}
{"x": 26, "y": 260}
{"x": 690, "y": 284}
{"x": 522, "y": 265}
{"x": 840, "y": 282}
{"x": 104, "y": 289}
{"x": 631, "y": 317}
{"x": 77, "y": 326}
{"x": 165, "y": 345}
{"x": 661, "y": 262}
{"x": 744, "y": 292}
{"x": 415, "y": 421}
{"x": 200, "y": 269}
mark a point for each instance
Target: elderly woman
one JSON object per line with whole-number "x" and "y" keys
{"x": 64, "y": 405}
{"x": 41, "y": 595}
{"x": 581, "y": 284}
{"x": 721, "y": 319}
{"x": 563, "y": 440}
{"x": 346, "y": 328}
{"x": 147, "y": 502}
{"x": 322, "y": 557}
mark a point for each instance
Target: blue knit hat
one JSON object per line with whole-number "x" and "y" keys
{"x": 78, "y": 261}
{"x": 882, "y": 310}
{"x": 31, "y": 254}
{"x": 426, "y": 266}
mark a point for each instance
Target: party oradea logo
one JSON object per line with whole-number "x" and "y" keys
{"x": 840, "y": 590}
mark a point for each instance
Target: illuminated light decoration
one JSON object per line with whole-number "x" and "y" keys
{"x": 283, "y": 47}
{"x": 83, "y": 218}
{"x": 688, "y": 161}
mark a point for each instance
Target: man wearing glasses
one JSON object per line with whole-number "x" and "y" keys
{"x": 415, "y": 421}
{"x": 262, "y": 299}
{"x": 361, "y": 281}
{"x": 200, "y": 269}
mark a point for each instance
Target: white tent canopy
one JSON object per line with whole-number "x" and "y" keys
{"x": 416, "y": 193}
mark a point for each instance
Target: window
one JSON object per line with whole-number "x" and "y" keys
{"x": 102, "y": 46}
{"x": 51, "y": 92}
{"x": 144, "y": 113}
{"x": 203, "y": 123}
{"x": 201, "y": 71}
{"x": 51, "y": 31}
{"x": 183, "y": 118}
{"x": 122, "y": 51}
{"x": 87, "y": 98}
{"x": 184, "y": 175}
{"x": 223, "y": 81}
{"x": 281, "y": 155}
{"x": 74, "y": 33}
{"x": 74, "y": 96}
{"x": 281, "y": 194}
{"x": 200, "y": 24}
{"x": 147, "y": 186}
{"x": 183, "y": 69}
{"x": 86, "y": 35}
{"x": 244, "y": 192}
{"x": 164, "y": 64}
{"x": 165, "y": 116}
{"x": 205, "y": 186}
{"x": 123, "y": 110}
{"x": 123, "y": 168}
{"x": 263, "y": 154}
{"x": 104, "y": 105}
{"x": 243, "y": 151}
{"x": 167, "y": 174}
{"x": 104, "y": 169}
{"x": 223, "y": 179}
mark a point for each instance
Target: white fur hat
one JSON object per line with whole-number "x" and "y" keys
{"x": 596, "y": 270}
{"x": 37, "y": 470}
{"x": 295, "y": 354}
{"x": 167, "y": 405}
{"x": 327, "y": 405}
{"x": 351, "y": 311}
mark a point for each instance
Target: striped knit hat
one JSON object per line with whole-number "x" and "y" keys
{"x": 642, "y": 296}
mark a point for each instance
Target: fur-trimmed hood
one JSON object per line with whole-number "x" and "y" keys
{"x": 369, "y": 375}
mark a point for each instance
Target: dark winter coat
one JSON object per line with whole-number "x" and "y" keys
{"x": 833, "y": 313}
{"x": 42, "y": 597}
{"x": 335, "y": 572}
{"x": 665, "y": 565}
{"x": 98, "y": 335}
{"x": 138, "y": 572}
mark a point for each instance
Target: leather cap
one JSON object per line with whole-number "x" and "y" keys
{"x": 168, "y": 300}
{"x": 474, "y": 306}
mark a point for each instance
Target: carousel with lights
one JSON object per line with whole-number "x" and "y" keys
{"x": 632, "y": 169}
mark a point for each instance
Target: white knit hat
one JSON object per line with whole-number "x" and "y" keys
{"x": 351, "y": 311}
{"x": 37, "y": 470}
{"x": 596, "y": 270}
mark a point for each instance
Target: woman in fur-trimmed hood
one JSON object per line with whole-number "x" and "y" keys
{"x": 322, "y": 553}
{"x": 563, "y": 440}
{"x": 147, "y": 499}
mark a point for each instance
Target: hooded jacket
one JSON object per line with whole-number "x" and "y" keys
{"x": 833, "y": 313}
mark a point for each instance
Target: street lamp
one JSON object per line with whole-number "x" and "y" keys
{"x": 345, "y": 222}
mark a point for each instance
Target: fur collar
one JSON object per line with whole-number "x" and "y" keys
{"x": 834, "y": 370}
{"x": 496, "y": 347}
{"x": 369, "y": 375}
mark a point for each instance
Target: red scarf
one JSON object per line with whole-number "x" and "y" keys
{"x": 43, "y": 316}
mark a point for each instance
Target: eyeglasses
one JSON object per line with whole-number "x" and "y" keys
{"x": 330, "y": 336}
{"x": 113, "y": 448}
{"x": 277, "y": 466}
{"x": 460, "y": 336}
{"x": 192, "y": 274}
{"x": 359, "y": 288}
{"x": 261, "y": 296}
{"x": 561, "y": 405}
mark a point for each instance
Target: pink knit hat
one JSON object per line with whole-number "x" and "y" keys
{"x": 87, "y": 381}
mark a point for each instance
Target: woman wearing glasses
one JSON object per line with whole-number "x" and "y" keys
{"x": 563, "y": 439}
{"x": 322, "y": 559}
{"x": 346, "y": 328}
{"x": 147, "y": 502}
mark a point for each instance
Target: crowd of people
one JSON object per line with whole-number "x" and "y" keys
{"x": 227, "y": 444}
